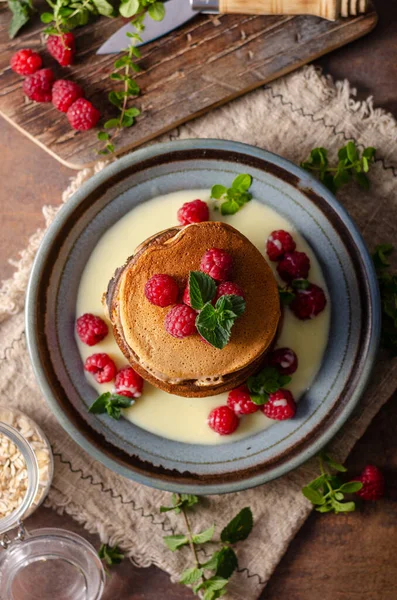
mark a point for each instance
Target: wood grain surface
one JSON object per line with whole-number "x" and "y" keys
{"x": 206, "y": 63}
{"x": 333, "y": 557}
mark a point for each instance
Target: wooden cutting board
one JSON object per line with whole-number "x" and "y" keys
{"x": 192, "y": 70}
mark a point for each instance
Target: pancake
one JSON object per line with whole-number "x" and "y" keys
{"x": 189, "y": 367}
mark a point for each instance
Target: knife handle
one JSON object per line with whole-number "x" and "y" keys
{"x": 327, "y": 9}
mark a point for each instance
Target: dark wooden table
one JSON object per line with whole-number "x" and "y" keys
{"x": 332, "y": 557}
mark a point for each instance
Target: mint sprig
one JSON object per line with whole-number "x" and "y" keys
{"x": 111, "y": 404}
{"x": 111, "y": 555}
{"x": 351, "y": 165}
{"x": 215, "y": 323}
{"x": 22, "y": 11}
{"x": 210, "y": 578}
{"x": 234, "y": 197}
{"x": 268, "y": 381}
{"x": 388, "y": 292}
{"x": 327, "y": 491}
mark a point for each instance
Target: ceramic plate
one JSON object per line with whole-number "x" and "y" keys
{"x": 352, "y": 344}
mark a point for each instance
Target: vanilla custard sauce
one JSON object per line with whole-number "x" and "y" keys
{"x": 175, "y": 417}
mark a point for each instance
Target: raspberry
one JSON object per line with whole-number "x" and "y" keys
{"x": 239, "y": 400}
{"x": 285, "y": 361}
{"x": 186, "y": 295}
{"x": 25, "y": 62}
{"x": 223, "y": 420}
{"x": 82, "y": 115}
{"x": 162, "y": 290}
{"x": 217, "y": 264}
{"x": 101, "y": 366}
{"x": 181, "y": 321}
{"x": 281, "y": 406}
{"x": 373, "y": 483}
{"x": 38, "y": 86}
{"x": 64, "y": 93}
{"x": 278, "y": 243}
{"x": 294, "y": 265}
{"x": 308, "y": 303}
{"x": 91, "y": 329}
{"x": 227, "y": 288}
{"x": 193, "y": 212}
{"x": 62, "y": 48}
{"x": 128, "y": 383}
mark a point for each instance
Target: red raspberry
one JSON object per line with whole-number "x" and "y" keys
{"x": 101, "y": 366}
{"x": 181, "y": 321}
{"x": 223, "y": 420}
{"x": 64, "y": 93}
{"x": 285, "y": 361}
{"x": 308, "y": 303}
{"x": 278, "y": 243}
{"x": 186, "y": 295}
{"x": 162, "y": 290}
{"x": 91, "y": 329}
{"x": 25, "y": 62}
{"x": 227, "y": 288}
{"x": 294, "y": 265}
{"x": 281, "y": 406}
{"x": 128, "y": 383}
{"x": 217, "y": 264}
{"x": 239, "y": 400}
{"x": 373, "y": 483}
{"x": 62, "y": 48}
{"x": 38, "y": 86}
{"x": 193, "y": 212}
{"x": 82, "y": 115}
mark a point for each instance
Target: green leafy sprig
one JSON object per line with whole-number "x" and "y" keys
{"x": 111, "y": 555}
{"x": 268, "y": 381}
{"x": 210, "y": 577}
{"x": 214, "y": 323}
{"x": 350, "y": 165}
{"x": 327, "y": 491}
{"x": 388, "y": 292}
{"x": 111, "y": 404}
{"x": 288, "y": 292}
{"x": 124, "y": 68}
{"x": 22, "y": 11}
{"x": 68, "y": 14}
{"x": 233, "y": 198}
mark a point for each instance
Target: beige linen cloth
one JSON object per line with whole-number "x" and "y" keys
{"x": 289, "y": 117}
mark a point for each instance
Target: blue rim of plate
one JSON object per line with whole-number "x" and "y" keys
{"x": 149, "y": 155}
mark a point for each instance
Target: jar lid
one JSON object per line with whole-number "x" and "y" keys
{"x": 50, "y": 563}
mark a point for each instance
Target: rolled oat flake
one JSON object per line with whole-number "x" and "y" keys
{"x": 44, "y": 564}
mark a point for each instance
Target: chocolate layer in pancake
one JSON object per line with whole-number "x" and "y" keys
{"x": 189, "y": 367}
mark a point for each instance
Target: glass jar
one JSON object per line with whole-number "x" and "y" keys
{"x": 49, "y": 563}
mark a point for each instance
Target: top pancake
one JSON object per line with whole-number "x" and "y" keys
{"x": 176, "y": 252}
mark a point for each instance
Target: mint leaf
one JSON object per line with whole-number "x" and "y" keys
{"x": 230, "y": 207}
{"x": 156, "y": 11}
{"x": 226, "y": 562}
{"x": 351, "y": 487}
{"x": 217, "y": 191}
{"x": 242, "y": 183}
{"x": 112, "y": 555}
{"x": 312, "y": 495}
{"x": 111, "y": 404}
{"x": 235, "y": 304}
{"x": 104, "y": 8}
{"x": 204, "y": 536}
{"x": 351, "y": 150}
{"x": 286, "y": 296}
{"x": 202, "y": 289}
{"x": 332, "y": 463}
{"x": 174, "y": 542}
{"x": 218, "y": 337}
{"x": 207, "y": 318}
{"x": 239, "y": 528}
{"x": 190, "y": 576}
{"x": 129, "y": 8}
{"x": 214, "y": 324}
{"x": 21, "y": 10}
{"x": 300, "y": 284}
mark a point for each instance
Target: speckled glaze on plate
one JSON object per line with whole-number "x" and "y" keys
{"x": 354, "y": 331}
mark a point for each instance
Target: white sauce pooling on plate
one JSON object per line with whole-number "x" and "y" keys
{"x": 167, "y": 415}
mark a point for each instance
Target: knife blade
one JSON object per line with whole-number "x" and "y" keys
{"x": 177, "y": 13}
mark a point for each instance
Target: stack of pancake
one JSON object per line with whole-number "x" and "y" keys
{"x": 190, "y": 367}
